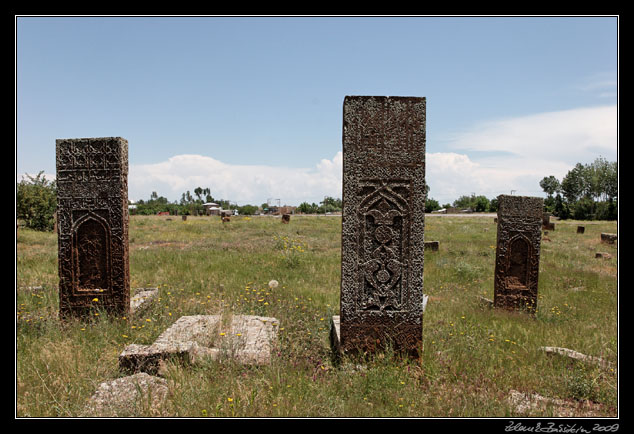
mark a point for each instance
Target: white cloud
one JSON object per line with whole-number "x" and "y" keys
{"x": 252, "y": 184}
{"x": 516, "y": 153}
{"x": 493, "y": 158}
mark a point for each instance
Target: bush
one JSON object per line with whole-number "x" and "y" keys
{"x": 36, "y": 202}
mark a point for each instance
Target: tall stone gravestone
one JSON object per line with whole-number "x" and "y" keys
{"x": 517, "y": 253}
{"x": 92, "y": 207}
{"x": 383, "y": 223}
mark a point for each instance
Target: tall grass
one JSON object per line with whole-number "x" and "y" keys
{"x": 472, "y": 356}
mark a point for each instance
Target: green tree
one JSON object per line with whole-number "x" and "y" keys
{"x": 36, "y": 201}
{"x": 573, "y": 185}
{"x": 431, "y": 205}
{"x": 550, "y": 185}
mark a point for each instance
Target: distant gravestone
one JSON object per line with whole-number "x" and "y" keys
{"x": 608, "y": 238}
{"x": 383, "y": 224}
{"x": 517, "y": 254}
{"x": 92, "y": 209}
{"x": 432, "y": 245}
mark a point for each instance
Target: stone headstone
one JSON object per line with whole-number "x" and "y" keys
{"x": 383, "y": 223}
{"x": 517, "y": 253}
{"x": 432, "y": 245}
{"x": 608, "y": 238}
{"x": 92, "y": 208}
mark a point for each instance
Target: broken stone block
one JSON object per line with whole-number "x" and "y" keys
{"x": 246, "y": 339}
{"x": 127, "y": 396}
{"x": 142, "y": 300}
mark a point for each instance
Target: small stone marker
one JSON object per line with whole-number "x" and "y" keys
{"x": 517, "y": 252}
{"x": 383, "y": 224}
{"x": 581, "y": 229}
{"x": 92, "y": 208}
{"x": 432, "y": 245}
{"x": 247, "y": 339}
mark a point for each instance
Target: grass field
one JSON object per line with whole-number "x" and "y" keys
{"x": 473, "y": 356}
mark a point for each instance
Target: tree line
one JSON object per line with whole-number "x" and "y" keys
{"x": 586, "y": 192}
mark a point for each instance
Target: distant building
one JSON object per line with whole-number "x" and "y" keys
{"x": 212, "y": 208}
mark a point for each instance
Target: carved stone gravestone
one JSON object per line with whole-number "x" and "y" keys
{"x": 92, "y": 209}
{"x": 383, "y": 223}
{"x": 517, "y": 254}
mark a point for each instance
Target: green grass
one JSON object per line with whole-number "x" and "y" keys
{"x": 472, "y": 357}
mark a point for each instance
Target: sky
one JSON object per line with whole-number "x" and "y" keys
{"x": 252, "y": 107}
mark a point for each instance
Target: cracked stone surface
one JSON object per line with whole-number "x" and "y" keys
{"x": 246, "y": 339}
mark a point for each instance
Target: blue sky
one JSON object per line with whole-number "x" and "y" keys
{"x": 251, "y": 107}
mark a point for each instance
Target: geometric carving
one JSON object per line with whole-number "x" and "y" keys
{"x": 517, "y": 253}
{"x": 383, "y": 223}
{"x": 92, "y": 209}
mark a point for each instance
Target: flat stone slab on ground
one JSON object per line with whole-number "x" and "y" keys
{"x": 247, "y": 339}
{"x": 529, "y": 403}
{"x": 576, "y": 356}
{"x": 126, "y": 396}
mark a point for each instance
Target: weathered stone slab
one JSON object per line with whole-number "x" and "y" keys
{"x": 92, "y": 213}
{"x": 245, "y": 338}
{"x": 575, "y": 355}
{"x": 383, "y": 223}
{"x": 527, "y": 404}
{"x": 127, "y": 396}
{"x": 517, "y": 252}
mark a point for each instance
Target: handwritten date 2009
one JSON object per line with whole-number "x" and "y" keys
{"x": 552, "y": 427}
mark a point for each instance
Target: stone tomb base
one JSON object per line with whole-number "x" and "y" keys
{"x": 335, "y": 330}
{"x": 246, "y": 339}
